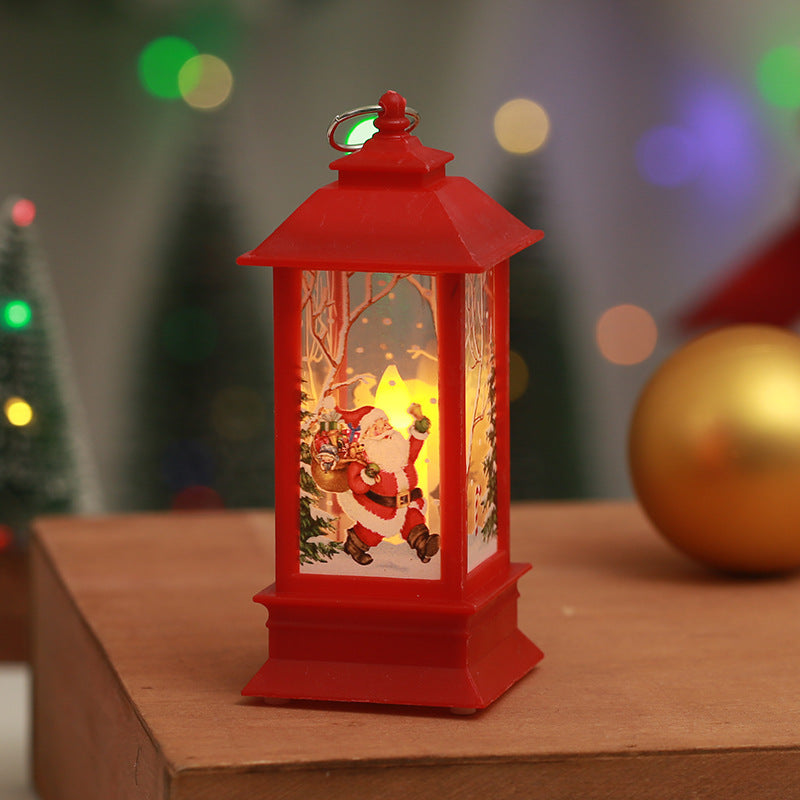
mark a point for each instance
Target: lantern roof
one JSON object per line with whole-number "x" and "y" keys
{"x": 393, "y": 209}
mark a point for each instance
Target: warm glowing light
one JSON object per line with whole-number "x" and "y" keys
{"x": 626, "y": 334}
{"x": 668, "y": 156}
{"x": 393, "y": 397}
{"x": 18, "y": 412}
{"x": 23, "y": 213}
{"x": 160, "y": 63}
{"x": 205, "y": 82}
{"x": 17, "y": 314}
{"x": 363, "y": 129}
{"x": 778, "y": 76}
{"x": 521, "y": 126}
{"x": 518, "y": 376}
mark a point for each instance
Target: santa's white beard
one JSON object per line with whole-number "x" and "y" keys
{"x": 390, "y": 452}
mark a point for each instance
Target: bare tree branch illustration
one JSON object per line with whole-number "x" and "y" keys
{"x": 330, "y": 316}
{"x": 428, "y": 294}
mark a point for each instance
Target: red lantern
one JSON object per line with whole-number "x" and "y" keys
{"x": 393, "y": 578}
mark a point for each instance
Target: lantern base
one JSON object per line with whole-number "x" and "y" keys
{"x": 452, "y": 655}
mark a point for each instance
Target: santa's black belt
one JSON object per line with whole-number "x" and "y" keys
{"x": 396, "y": 501}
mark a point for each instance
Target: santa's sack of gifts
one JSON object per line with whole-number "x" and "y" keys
{"x": 335, "y": 446}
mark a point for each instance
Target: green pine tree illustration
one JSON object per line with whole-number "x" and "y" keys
{"x": 489, "y": 502}
{"x": 315, "y": 524}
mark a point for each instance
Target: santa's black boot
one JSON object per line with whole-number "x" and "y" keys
{"x": 356, "y": 549}
{"x": 424, "y": 542}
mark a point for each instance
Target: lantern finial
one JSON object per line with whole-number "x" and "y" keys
{"x": 392, "y": 117}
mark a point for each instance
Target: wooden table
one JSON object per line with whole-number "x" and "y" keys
{"x": 660, "y": 680}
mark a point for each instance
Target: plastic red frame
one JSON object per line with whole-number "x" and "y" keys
{"x": 451, "y": 642}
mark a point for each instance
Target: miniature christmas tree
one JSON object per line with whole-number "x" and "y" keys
{"x": 545, "y": 445}
{"x": 42, "y": 466}
{"x": 202, "y": 419}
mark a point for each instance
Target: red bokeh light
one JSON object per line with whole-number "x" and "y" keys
{"x": 23, "y": 213}
{"x": 194, "y": 498}
{"x": 6, "y": 537}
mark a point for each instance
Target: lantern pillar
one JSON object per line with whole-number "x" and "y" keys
{"x": 450, "y": 306}
{"x": 286, "y": 291}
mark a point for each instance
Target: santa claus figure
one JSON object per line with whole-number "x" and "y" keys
{"x": 384, "y": 498}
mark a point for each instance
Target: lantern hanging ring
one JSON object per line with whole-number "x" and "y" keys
{"x": 359, "y": 112}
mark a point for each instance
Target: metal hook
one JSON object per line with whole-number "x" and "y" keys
{"x": 358, "y": 112}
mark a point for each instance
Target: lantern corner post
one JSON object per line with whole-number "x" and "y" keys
{"x": 503, "y": 404}
{"x": 287, "y": 289}
{"x": 450, "y": 325}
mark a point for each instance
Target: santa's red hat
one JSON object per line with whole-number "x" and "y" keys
{"x": 363, "y": 417}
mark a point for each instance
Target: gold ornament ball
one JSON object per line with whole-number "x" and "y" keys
{"x": 714, "y": 449}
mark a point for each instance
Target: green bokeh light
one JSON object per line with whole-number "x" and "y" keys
{"x": 17, "y": 314}
{"x": 778, "y": 76}
{"x": 361, "y": 131}
{"x": 160, "y": 63}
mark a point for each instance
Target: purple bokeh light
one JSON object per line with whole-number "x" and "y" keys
{"x": 716, "y": 142}
{"x": 669, "y": 155}
{"x": 726, "y": 126}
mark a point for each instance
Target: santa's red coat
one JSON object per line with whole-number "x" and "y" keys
{"x": 374, "y": 521}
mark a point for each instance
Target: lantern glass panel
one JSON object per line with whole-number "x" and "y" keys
{"x": 368, "y": 342}
{"x": 480, "y": 408}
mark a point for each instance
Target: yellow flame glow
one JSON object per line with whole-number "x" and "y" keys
{"x": 394, "y": 396}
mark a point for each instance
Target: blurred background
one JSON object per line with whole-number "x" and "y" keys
{"x": 145, "y": 144}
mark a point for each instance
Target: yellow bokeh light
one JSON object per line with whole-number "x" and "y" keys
{"x": 18, "y": 412}
{"x": 521, "y": 126}
{"x": 206, "y": 82}
{"x": 626, "y": 334}
{"x": 518, "y": 376}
